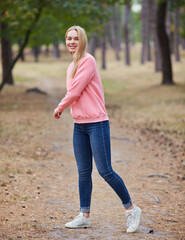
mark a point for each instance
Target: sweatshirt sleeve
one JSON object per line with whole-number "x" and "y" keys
{"x": 83, "y": 76}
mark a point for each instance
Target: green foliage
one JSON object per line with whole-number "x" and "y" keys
{"x": 57, "y": 16}
{"x": 137, "y": 26}
{"x": 182, "y": 25}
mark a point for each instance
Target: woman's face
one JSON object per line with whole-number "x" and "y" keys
{"x": 72, "y": 41}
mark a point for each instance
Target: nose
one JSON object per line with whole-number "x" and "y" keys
{"x": 72, "y": 40}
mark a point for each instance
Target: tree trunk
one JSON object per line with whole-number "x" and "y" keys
{"x": 176, "y": 35}
{"x": 103, "y": 48}
{"x": 167, "y": 76}
{"x": 27, "y": 35}
{"x": 144, "y": 18}
{"x": 118, "y": 31}
{"x": 46, "y": 52}
{"x": 183, "y": 43}
{"x": 56, "y": 50}
{"x": 157, "y": 53}
{"x": 92, "y": 44}
{"x": 169, "y": 30}
{"x": 22, "y": 55}
{"x": 36, "y": 51}
{"x": 148, "y": 33}
{"x": 132, "y": 38}
{"x": 6, "y": 55}
{"x": 126, "y": 34}
{"x": 114, "y": 25}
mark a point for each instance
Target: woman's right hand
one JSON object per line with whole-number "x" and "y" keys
{"x": 57, "y": 113}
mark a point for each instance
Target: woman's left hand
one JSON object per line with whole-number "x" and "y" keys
{"x": 57, "y": 113}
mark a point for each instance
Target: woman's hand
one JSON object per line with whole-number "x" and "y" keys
{"x": 57, "y": 113}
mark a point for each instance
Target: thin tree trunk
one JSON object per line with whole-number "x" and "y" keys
{"x": 126, "y": 34}
{"x": 22, "y": 55}
{"x": 144, "y": 31}
{"x": 6, "y": 54}
{"x": 103, "y": 48}
{"x": 92, "y": 44}
{"x": 132, "y": 38}
{"x": 167, "y": 76}
{"x": 157, "y": 53}
{"x": 149, "y": 13}
{"x": 46, "y": 52}
{"x": 114, "y": 25}
{"x": 56, "y": 50}
{"x": 183, "y": 43}
{"x": 27, "y": 35}
{"x": 36, "y": 51}
{"x": 112, "y": 28}
{"x": 176, "y": 35}
{"x": 118, "y": 30}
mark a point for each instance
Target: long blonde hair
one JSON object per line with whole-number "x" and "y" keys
{"x": 81, "y": 49}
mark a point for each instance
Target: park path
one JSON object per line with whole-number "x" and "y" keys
{"x": 50, "y": 182}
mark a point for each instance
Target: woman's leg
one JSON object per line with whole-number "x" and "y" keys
{"x": 101, "y": 149}
{"x": 83, "y": 155}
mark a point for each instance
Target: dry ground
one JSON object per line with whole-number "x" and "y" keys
{"x": 38, "y": 178}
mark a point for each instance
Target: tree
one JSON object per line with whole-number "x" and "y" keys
{"x": 115, "y": 29}
{"x": 167, "y": 76}
{"x": 103, "y": 46}
{"x": 126, "y": 33}
{"x": 34, "y": 14}
{"x": 176, "y": 35}
{"x": 157, "y": 52}
{"x": 6, "y": 53}
{"x": 146, "y": 20}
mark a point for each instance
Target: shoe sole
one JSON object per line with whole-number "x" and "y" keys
{"x": 137, "y": 224}
{"x": 82, "y": 226}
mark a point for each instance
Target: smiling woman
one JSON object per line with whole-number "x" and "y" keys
{"x": 91, "y": 136}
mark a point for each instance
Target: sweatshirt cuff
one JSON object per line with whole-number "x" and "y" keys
{"x": 59, "y": 108}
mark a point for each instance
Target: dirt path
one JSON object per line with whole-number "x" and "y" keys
{"x": 39, "y": 191}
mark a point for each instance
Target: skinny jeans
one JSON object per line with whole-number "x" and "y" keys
{"x": 92, "y": 140}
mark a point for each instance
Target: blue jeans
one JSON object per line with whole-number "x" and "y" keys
{"x": 93, "y": 140}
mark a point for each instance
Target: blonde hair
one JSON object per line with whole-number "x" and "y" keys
{"x": 81, "y": 49}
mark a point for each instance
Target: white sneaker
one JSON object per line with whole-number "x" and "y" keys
{"x": 133, "y": 219}
{"x": 79, "y": 222}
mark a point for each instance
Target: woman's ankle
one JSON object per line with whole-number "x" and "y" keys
{"x": 86, "y": 214}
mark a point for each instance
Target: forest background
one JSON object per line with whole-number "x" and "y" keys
{"x": 139, "y": 46}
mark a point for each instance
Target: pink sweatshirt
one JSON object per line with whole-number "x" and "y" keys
{"x": 85, "y": 93}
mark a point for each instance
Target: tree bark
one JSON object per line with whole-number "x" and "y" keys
{"x": 22, "y": 55}
{"x": 176, "y": 35}
{"x": 144, "y": 19}
{"x": 103, "y": 48}
{"x": 92, "y": 44}
{"x": 114, "y": 25}
{"x": 27, "y": 35}
{"x": 6, "y": 54}
{"x": 167, "y": 76}
{"x": 149, "y": 16}
{"x": 36, "y": 51}
{"x": 157, "y": 53}
{"x": 126, "y": 34}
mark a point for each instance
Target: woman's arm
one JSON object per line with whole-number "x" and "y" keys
{"x": 83, "y": 76}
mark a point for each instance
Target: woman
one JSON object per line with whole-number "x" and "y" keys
{"x": 91, "y": 135}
